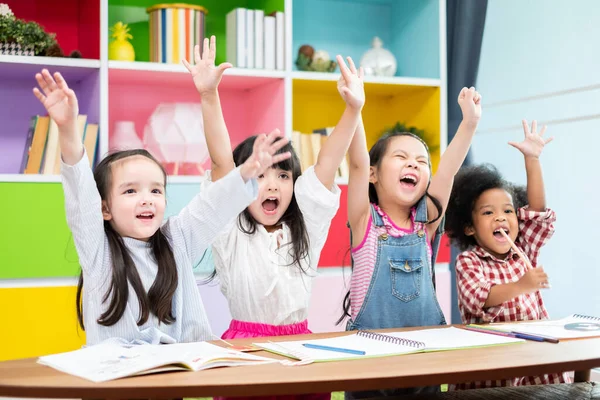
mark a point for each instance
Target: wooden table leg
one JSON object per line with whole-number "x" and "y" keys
{"x": 583, "y": 376}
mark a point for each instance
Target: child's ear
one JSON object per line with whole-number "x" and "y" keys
{"x": 372, "y": 175}
{"x": 105, "y": 211}
{"x": 469, "y": 231}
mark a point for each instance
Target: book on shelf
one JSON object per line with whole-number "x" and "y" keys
{"x": 41, "y": 154}
{"x": 308, "y": 146}
{"x": 366, "y": 344}
{"x": 255, "y": 40}
{"x": 108, "y": 361}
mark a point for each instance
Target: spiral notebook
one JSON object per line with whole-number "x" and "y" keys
{"x": 575, "y": 326}
{"x": 383, "y": 345}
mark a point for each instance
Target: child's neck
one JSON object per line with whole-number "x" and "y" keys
{"x": 399, "y": 215}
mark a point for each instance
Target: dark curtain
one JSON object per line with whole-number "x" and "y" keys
{"x": 465, "y": 20}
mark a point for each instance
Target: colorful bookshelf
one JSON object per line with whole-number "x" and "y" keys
{"x": 39, "y": 266}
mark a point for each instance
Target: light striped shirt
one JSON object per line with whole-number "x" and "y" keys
{"x": 364, "y": 256}
{"x": 189, "y": 233}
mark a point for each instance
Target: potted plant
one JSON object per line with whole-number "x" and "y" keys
{"x": 18, "y": 37}
{"x": 401, "y": 127}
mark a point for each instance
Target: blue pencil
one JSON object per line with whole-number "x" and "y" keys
{"x": 338, "y": 349}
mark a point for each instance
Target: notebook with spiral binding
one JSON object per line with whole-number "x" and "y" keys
{"x": 371, "y": 343}
{"x": 375, "y": 344}
{"x": 575, "y": 326}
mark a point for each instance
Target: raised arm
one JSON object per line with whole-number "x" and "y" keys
{"x": 206, "y": 77}
{"x": 335, "y": 147}
{"x": 83, "y": 205}
{"x": 61, "y": 103}
{"x": 452, "y": 159}
{"x": 358, "y": 185}
{"x": 532, "y": 147}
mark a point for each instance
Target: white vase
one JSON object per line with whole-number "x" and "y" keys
{"x": 378, "y": 61}
{"x": 124, "y": 137}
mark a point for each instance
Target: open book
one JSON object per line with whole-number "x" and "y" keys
{"x": 104, "y": 362}
{"x": 382, "y": 345}
{"x": 575, "y": 326}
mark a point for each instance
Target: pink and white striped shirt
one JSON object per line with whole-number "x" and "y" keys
{"x": 365, "y": 254}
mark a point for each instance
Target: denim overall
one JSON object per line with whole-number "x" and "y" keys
{"x": 402, "y": 289}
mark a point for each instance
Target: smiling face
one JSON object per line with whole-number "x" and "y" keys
{"x": 494, "y": 211}
{"x": 136, "y": 202}
{"x": 402, "y": 176}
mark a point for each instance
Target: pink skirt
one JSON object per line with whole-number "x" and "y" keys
{"x": 240, "y": 329}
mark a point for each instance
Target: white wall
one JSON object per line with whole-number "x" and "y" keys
{"x": 540, "y": 60}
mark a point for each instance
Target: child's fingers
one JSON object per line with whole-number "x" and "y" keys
{"x": 525, "y": 126}
{"x": 213, "y": 48}
{"x": 343, "y": 68}
{"x": 514, "y": 144}
{"x": 222, "y": 67}
{"x": 351, "y": 65}
{"x": 197, "y": 57}
{"x": 361, "y": 73}
{"x": 275, "y": 147}
{"x": 42, "y": 83}
{"x": 280, "y": 157}
{"x": 71, "y": 95}
{"x": 205, "y": 48}
{"x": 258, "y": 142}
{"x": 272, "y": 136}
{"x": 534, "y": 127}
{"x": 62, "y": 84}
{"x": 39, "y": 95}
{"x": 548, "y": 140}
{"x": 187, "y": 64}
{"x": 543, "y": 130}
{"x": 48, "y": 79}
{"x": 461, "y": 94}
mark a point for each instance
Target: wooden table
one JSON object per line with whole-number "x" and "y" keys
{"x": 26, "y": 378}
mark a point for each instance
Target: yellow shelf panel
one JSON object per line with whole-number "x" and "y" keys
{"x": 317, "y": 104}
{"x": 40, "y": 321}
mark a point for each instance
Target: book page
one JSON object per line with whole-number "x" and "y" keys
{"x": 104, "y": 362}
{"x": 452, "y": 338}
{"x": 571, "y": 327}
{"x": 372, "y": 348}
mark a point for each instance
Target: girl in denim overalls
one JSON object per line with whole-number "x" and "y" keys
{"x": 395, "y": 211}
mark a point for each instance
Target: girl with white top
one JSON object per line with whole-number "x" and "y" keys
{"x": 137, "y": 280}
{"x": 267, "y": 260}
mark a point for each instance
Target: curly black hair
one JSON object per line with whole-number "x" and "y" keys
{"x": 469, "y": 184}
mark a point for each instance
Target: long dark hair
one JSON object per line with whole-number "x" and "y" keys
{"x": 376, "y": 156}
{"x": 159, "y": 298}
{"x": 292, "y": 216}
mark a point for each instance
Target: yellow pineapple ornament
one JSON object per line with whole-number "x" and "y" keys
{"x": 120, "y": 49}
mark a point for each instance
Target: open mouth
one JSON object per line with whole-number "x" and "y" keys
{"x": 408, "y": 180}
{"x": 270, "y": 205}
{"x": 146, "y": 216}
{"x": 498, "y": 235}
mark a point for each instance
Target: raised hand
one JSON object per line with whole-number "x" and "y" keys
{"x": 534, "y": 280}
{"x": 57, "y": 98}
{"x": 350, "y": 85}
{"x": 534, "y": 143}
{"x": 469, "y": 101}
{"x": 205, "y": 74}
{"x": 263, "y": 154}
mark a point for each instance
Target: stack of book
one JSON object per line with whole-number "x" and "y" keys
{"x": 308, "y": 146}
{"x": 42, "y": 150}
{"x": 256, "y": 40}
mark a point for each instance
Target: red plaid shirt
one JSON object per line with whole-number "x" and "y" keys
{"x": 477, "y": 271}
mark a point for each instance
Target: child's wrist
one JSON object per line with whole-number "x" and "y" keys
{"x": 470, "y": 122}
{"x": 208, "y": 94}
